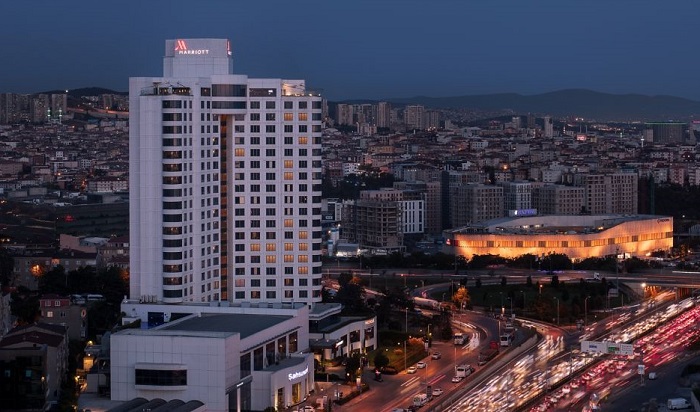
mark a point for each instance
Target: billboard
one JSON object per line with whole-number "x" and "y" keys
{"x": 611, "y": 348}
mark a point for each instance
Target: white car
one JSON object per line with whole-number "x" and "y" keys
{"x": 457, "y": 379}
{"x": 437, "y": 391}
{"x": 421, "y": 365}
{"x": 411, "y": 369}
{"x": 436, "y": 355}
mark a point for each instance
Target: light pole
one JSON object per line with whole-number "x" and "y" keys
{"x": 540, "y": 289}
{"x": 511, "y": 306}
{"x": 557, "y": 299}
{"x": 585, "y": 311}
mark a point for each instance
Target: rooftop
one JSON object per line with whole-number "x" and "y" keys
{"x": 243, "y": 324}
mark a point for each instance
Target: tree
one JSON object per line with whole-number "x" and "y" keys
{"x": 461, "y": 297}
{"x": 25, "y": 305}
{"x": 380, "y": 360}
{"x": 352, "y": 366}
{"x": 528, "y": 282}
{"x": 7, "y": 265}
{"x": 555, "y": 281}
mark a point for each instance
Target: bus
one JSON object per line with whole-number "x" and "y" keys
{"x": 460, "y": 339}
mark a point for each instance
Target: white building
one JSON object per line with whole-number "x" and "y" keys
{"x": 225, "y": 178}
{"x": 229, "y": 358}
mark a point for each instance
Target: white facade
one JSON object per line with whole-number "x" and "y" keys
{"x": 229, "y": 358}
{"x": 225, "y": 178}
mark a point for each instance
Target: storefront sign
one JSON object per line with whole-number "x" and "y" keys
{"x": 297, "y": 375}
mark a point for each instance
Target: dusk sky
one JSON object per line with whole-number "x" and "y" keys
{"x": 370, "y": 49}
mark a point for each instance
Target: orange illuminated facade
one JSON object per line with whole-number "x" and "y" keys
{"x": 578, "y": 237}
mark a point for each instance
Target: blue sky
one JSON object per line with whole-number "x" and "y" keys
{"x": 370, "y": 49}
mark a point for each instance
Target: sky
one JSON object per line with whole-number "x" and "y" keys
{"x": 366, "y": 49}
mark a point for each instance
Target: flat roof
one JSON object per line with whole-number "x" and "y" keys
{"x": 285, "y": 363}
{"x": 243, "y": 324}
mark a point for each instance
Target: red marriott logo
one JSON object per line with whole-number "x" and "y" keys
{"x": 181, "y": 48}
{"x": 180, "y": 45}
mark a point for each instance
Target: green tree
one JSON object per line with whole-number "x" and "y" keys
{"x": 25, "y": 305}
{"x": 380, "y": 360}
{"x": 352, "y": 366}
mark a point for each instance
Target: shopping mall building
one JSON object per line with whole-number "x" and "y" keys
{"x": 578, "y": 237}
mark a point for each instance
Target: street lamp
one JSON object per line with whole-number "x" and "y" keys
{"x": 511, "y": 306}
{"x": 540, "y": 289}
{"x": 557, "y": 299}
{"x": 585, "y": 311}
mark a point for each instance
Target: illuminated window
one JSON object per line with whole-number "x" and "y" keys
{"x": 289, "y": 246}
{"x": 303, "y": 270}
{"x": 255, "y": 247}
{"x": 288, "y": 117}
{"x": 270, "y": 247}
{"x": 303, "y": 234}
{"x": 239, "y": 152}
{"x": 288, "y": 164}
{"x": 303, "y": 258}
{"x": 288, "y": 175}
{"x": 303, "y": 246}
{"x": 270, "y": 259}
{"x": 288, "y": 223}
{"x": 303, "y": 116}
{"x": 289, "y": 258}
{"x": 303, "y": 140}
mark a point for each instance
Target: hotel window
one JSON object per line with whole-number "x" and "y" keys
{"x": 255, "y": 294}
{"x": 289, "y": 246}
{"x": 303, "y": 105}
{"x": 303, "y": 259}
{"x": 270, "y": 259}
{"x": 288, "y": 117}
{"x": 303, "y": 140}
{"x": 288, "y": 164}
{"x": 303, "y": 117}
{"x": 269, "y": 105}
{"x": 288, "y": 294}
{"x": 254, "y": 117}
{"x": 270, "y": 247}
{"x": 270, "y": 117}
{"x": 271, "y": 294}
{"x": 289, "y": 258}
{"x": 288, "y": 175}
{"x": 303, "y": 234}
{"x": 289, "y": 282}
{"x": 239, "y": 152}
{"x": 288, "y": 223}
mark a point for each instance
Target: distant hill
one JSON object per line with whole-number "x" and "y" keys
{"x": 86, "y": 91}
{"x": 574, "y": 102}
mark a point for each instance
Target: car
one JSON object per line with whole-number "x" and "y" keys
{"x": 437, "y": 391}
{"x": 652, "y": 376}
{"x": 421, "y": 365}
{"x": 457, "y": 379}
{"x": 307, "y": 408}
{"x": 411, "y": 369}
{"x": 436, "y": 355}
{"x": 566, "y": 389}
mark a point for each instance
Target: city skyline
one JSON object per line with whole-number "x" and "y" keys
{"x": 367, "y": 49}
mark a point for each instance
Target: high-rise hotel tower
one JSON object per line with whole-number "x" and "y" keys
{"x": 225, "y": 182}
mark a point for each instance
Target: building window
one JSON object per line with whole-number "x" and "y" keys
{"x": 150, "y": 377}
